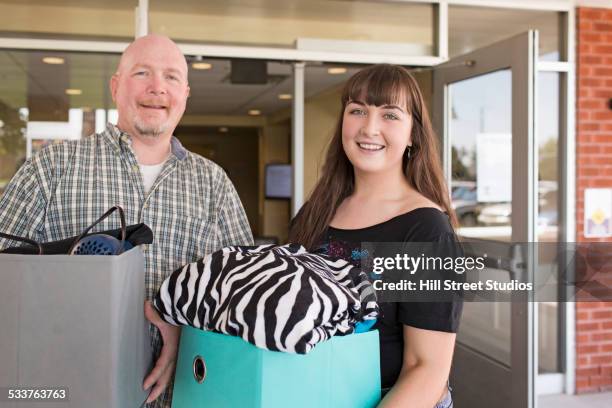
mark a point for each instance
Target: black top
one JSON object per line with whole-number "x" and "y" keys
{"x": 419, "y": 225}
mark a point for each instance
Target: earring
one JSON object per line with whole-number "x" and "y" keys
{"x": 408, "y": 148}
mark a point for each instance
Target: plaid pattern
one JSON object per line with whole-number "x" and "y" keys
{"x": 192, "y": 208}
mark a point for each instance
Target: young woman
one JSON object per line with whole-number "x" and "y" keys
{"x": 382, "y": 181}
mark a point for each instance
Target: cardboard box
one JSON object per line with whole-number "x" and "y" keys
{"x": 75, "y": 322}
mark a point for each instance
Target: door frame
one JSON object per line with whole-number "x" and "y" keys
{"x": 519, "y": 54}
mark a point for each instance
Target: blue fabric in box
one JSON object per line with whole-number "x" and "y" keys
{"x": 341, "y": 372}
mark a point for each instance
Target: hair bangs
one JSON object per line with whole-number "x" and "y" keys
{"x": 379, "y": 87}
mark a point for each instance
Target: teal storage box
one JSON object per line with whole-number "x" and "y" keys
{"x": 221, "y": 371}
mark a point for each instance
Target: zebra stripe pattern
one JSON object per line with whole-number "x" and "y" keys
{"x": 279, "y": 298}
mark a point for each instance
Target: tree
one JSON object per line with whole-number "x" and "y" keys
{"x": 12, "y": 131}
{"x": 548, "y": 160}
{"x": 459, "y": 170}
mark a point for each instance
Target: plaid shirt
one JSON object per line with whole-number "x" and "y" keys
{"x": 192, "y": 208}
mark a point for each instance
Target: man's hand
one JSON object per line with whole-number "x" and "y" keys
{"x": 162, "y": 373}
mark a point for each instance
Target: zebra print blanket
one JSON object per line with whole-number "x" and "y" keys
{"x": 278, "y": 298}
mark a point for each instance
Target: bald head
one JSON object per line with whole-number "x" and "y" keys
{"x": 152, "y": 44}
{"x": 150, "y": 87}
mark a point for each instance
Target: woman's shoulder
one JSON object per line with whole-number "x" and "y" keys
{"x": 424, "y": 211}
{"x": 428, "y": 223}
{"x": 431, "y": 216}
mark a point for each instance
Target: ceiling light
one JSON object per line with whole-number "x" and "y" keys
{"x": 53, "y": 60}
{"x": 72, "y": 91}
{"x": 336, "y": 70}
{"x": 201, "y": 65}
{"x": 223, "y": 129}
{"x": 254, "y": 112}
{"x": 284, "y": 96}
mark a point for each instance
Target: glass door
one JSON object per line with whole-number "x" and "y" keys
{"x": 483, "y": 109}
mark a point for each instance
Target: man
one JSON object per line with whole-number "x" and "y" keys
{"x": 188, "y": 201}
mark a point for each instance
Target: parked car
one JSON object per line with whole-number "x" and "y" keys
{"x": 501, "y": 213}
{"x": 495, "y": 214}
{"x": 464, "y": 203}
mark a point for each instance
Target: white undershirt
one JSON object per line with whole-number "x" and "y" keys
{"x": 149, "y": 174}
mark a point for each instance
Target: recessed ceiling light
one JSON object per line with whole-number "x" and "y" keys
{"x": 201, "y": 65}
{"x": 223, "y": 129}
{"x": 336, "y": 70}
{"x": 53, "y": 60}
{"x": 284, "y": 96}
{"x": 72, "y": 91}
{"x": 254, "y": 112}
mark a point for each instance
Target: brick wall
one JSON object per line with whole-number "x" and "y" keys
{"x": 593, "y": 169}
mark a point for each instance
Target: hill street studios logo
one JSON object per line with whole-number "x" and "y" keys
{"x": 438, "y": 272}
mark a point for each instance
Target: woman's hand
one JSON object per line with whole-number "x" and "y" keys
{"x": 163, "y": 371}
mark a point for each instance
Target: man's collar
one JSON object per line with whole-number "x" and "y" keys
{"x": 177, "y": 148}
{"x": 121, "y": 141}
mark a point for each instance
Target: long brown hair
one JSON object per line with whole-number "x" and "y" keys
{"x": 381, "y": 84}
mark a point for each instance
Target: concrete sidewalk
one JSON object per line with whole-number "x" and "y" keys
{"x": 598, "y": 400}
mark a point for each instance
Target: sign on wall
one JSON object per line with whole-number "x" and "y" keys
{"x": 494, "y": 167}
{"x": 598, "y": 212}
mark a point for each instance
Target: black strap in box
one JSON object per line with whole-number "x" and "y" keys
{"x": 136, "y": 234}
